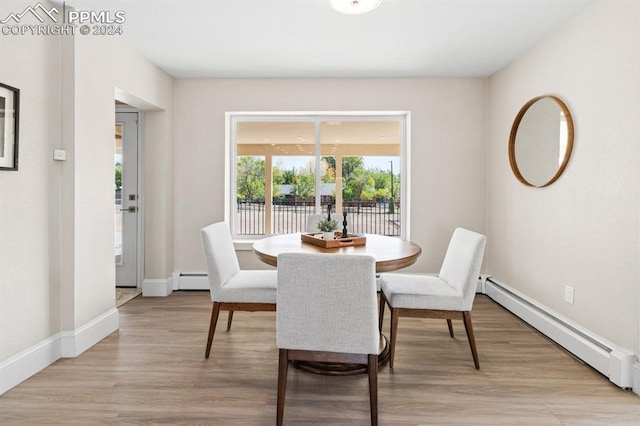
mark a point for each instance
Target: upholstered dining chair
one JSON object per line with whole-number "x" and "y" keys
{"x": 327, "y": 312}
{"x": 448, "y": 295}
{"x": 233, "y": 289}
{"x": 312, "y": 222}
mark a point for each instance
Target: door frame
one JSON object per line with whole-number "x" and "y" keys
{"x": 140, "y": 192}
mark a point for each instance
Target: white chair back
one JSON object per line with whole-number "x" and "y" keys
{"x": 327, "y": 302}
{"x": 220, "y": 256}
{"x": 312, "y": 222}
{"x": 462, "y": 263}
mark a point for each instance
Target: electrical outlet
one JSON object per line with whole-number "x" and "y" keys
{"x": 568, "y": 294}
{"x": 59, "y": 154}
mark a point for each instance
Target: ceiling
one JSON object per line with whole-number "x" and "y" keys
{"x": 373, "y": 137}
{"x": 308, "y": 39}
{"x": 300, "y": 133}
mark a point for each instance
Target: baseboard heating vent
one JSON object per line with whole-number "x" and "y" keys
{"x": 614, "y": 363}
{"x": 192, "y": 281}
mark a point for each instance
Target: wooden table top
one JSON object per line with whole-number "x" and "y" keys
{"x": 391, "y": 253}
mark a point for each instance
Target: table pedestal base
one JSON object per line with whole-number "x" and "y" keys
{"x": 341, "y": 369}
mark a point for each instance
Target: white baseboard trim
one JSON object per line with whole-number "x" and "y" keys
{"x": 77, "y": 341}
{"x": 66, "y": 344}
{"x": 160, "y": 287}
{"x": 177, "y": 281}
{"x": 25, "y": 364}
{"x": 613, "y": 362}
{"x": 636, "y": 377}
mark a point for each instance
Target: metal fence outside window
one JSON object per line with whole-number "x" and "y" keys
{"x": 289, "y": 216}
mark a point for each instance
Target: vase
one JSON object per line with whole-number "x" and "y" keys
{"x": 330, "y": 235}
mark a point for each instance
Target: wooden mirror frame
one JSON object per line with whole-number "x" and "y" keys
{"x": 514, "y": 131}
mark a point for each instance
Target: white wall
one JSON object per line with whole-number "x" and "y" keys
{"x": 448, "y": 146}
{"x": 103, "y": 67}
{"x": 57, "y": 279}
{"x": 29, "y": 197}
{"x": 159, "y": 200}
{"x": 582, "y": 231}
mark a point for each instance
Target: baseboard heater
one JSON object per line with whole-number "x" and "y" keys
{"x": 614, "y": 363}
{"x": 192, "y": 281}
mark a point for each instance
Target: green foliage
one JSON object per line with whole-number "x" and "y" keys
{"x": 304, "y": 184}
{"x": 381, "y": 178}
{"x": 250, "y": 178}
{"x": 366, "y": 195}
{"x": 357, "y": 182}
{"x": 351, "y": 165}
{"x": 118, "y": 175}
{"x": 278, "y": 176}
{"x": 382, "y": 184}
{"x": 289, "y": 176}
{"x": 396, "y": 186}
{"x": 331, "y": 162}
{"x": 382, "y": 193}
{"x": 329, "y": 174}
{"x": 327, "y": 225}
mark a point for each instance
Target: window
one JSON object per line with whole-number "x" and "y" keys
{"x": 283, "y": 167}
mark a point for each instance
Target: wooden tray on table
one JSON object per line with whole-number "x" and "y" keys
{"x": 351, "y": 240}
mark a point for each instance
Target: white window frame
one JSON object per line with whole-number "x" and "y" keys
{"x": 232, "y": 118}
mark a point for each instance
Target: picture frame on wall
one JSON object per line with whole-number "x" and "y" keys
{"x": 9, "y": 115}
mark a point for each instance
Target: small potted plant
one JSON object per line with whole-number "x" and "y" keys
{"x": 328, "y": 228}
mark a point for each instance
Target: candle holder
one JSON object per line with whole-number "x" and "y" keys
{"x": 345, "y": 234}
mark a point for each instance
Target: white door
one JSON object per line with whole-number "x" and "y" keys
{"x": 126, "y": 198}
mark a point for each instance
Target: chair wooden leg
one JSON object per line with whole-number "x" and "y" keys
{"x": 229, "y": 319}
{"x": 450, "y": 325}
{"x": 381, "y": 301}
{"x": 283, "y": 367}
{"x": 466, "y": 316}
{"x": 215, "y": 311}
{"x": 373, "y": 388}
{"x": 394, "y": 335}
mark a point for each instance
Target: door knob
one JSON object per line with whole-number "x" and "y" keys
{"x": 130, "y": 209}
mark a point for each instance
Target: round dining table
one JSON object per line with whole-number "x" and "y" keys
{"x": 390, "y": 253}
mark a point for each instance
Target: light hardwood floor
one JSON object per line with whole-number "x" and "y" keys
{"x": 125, "y": 294}
{"x": 153, "y": 371}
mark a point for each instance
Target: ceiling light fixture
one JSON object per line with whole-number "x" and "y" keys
{"x": 355, "y": 7}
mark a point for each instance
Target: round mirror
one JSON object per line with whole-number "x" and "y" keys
{"x": 541, "y": 141}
